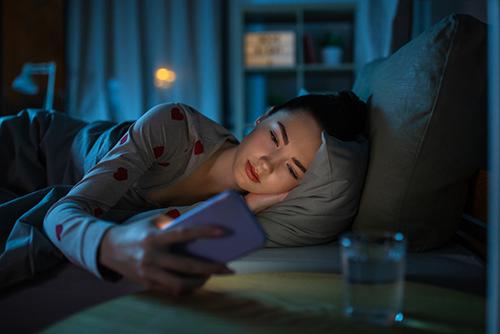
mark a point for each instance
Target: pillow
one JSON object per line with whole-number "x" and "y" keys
{"x": 427, "y": 131}
{"x": 319, "y": 208}
{"x": 325, "y": 202}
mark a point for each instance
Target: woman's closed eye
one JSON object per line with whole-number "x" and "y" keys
{"x": 292, "y": 172}
{"x": 274, "y": 138}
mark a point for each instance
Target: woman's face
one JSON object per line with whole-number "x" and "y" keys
{"x": 274, "y": 157}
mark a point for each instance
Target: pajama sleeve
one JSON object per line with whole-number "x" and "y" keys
{"x": 73, "y": 223}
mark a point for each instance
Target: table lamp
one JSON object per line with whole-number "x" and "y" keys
{"x": 25, "y": 84}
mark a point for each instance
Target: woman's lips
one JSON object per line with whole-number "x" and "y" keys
{"x": 251, "y": 173}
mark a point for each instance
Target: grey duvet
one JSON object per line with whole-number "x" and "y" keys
{"x": 42, "y": 155}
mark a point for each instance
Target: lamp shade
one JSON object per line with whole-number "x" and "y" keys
{"x": 24, "y": 84}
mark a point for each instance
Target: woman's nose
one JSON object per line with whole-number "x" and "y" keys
{"x": 265, "y": 165}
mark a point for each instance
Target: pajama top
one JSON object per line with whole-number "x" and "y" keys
{"x": 165, "y": 144}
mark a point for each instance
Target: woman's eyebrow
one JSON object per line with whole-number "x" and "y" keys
{"x": 283, "y": 132}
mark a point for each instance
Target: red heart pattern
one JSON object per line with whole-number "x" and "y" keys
{"x": 176, "y": 114}
{"x": 124, "y": 139}
{"x": 158, "y": 151}
{"x": 59, "y": 229}
{"x": 198, "y": 147}
{"x": 121, "y": 174}
{"x": 173, "y": 213}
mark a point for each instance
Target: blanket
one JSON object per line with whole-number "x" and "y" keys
{"x": 43, "y": 154}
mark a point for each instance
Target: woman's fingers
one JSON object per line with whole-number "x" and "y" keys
{"x": 171, "y": 283}
{"x": 180, "y": 235}
{"x": 162, "y": 221}
{"x": 189, "y": 265}
{"x": 140, "y": 252}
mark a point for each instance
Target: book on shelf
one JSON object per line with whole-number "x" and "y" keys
{"x": 309, "y": 49}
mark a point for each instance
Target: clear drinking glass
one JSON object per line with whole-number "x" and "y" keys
{"x": 373, "y": 267}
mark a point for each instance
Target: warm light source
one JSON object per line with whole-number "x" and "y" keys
{"x": 24, "y": 83}
{"x": 164, "y": 77}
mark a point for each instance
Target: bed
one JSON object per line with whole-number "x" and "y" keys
{"x": 59, "y": 288}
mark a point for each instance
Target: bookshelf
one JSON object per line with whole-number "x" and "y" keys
{"x": 253, "y": 88}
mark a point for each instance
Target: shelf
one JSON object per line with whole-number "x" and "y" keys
{"x": 347, "y": 67}
{"x": 260, "y": 16}
{"x": 321, "y": 16}
{"x": 257, "y": 87}
{"x": 273, "y": 69}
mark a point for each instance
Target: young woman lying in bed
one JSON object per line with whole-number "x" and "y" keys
{"x": 173, "y": 155}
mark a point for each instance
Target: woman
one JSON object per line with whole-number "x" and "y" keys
{"x": 173, "y": 156}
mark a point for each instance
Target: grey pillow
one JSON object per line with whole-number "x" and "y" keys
{"x": 427, "y": 125}
{"x": 325, "y": 202}
{"x": 323, "y": 205}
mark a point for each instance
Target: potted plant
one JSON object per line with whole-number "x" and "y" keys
{"x": 332, "y": 49}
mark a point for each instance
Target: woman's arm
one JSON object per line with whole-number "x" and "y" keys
{"x": 73, "y": 224}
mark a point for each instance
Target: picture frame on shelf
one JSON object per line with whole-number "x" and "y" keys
{"x": 270, "y": 49}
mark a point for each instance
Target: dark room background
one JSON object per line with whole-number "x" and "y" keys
{"x": 108, "y": 53}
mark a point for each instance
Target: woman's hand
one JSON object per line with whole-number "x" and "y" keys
{"x": 259, "y": 202}
{"x": 139, "y": 252}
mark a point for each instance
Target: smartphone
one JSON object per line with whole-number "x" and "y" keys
{"x": 229, "y": 211}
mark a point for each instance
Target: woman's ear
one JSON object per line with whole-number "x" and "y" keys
{"x": 264, "y": 115}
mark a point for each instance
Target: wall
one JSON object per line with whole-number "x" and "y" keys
{"x": 32, "y": 31}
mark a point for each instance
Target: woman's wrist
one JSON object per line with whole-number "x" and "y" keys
{"x": 104, "y": 257}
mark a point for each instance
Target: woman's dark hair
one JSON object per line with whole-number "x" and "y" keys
{"x": 341, "y": 114}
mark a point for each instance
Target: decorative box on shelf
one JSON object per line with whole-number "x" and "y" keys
{"x": 270, "y": 49}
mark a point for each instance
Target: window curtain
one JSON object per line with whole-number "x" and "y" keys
{"x": 374, "y": 31}
{"x": 115, "y": 46}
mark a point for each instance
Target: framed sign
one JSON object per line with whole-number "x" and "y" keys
{"x": 270, "y": 48}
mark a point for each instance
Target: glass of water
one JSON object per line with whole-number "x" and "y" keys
{"x": 373, "y": 267}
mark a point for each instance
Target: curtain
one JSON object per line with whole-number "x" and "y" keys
{"x": 428, "y": 12}
{"x": 115, "y": 46}
{"x": 374, "y": 30}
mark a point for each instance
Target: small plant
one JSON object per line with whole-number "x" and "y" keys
{"x": 332, "y": 49}
{"x": 332, "y": 39}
